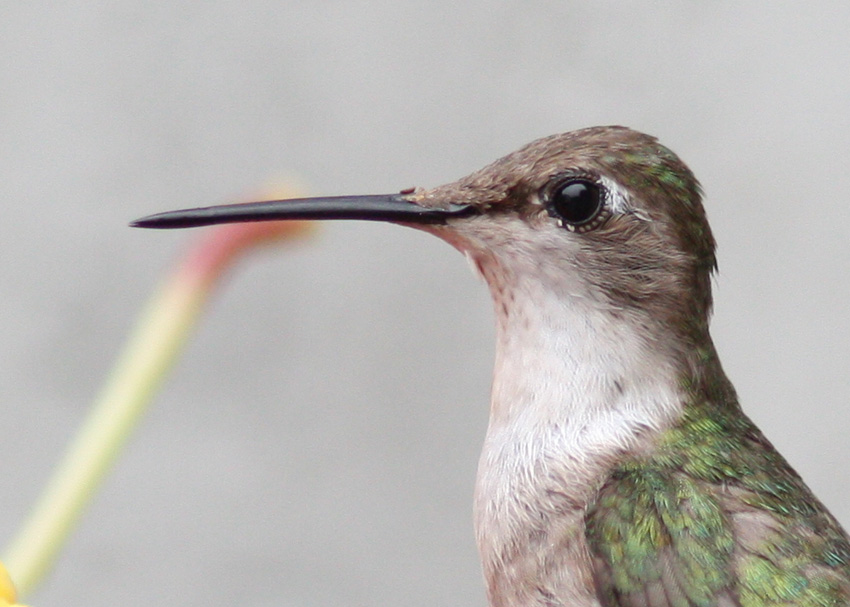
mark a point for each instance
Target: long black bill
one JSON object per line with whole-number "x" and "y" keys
{"x": 382, "y": 207}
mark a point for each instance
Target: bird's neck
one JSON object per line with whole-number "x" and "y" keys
{"x": 574, "y": 390}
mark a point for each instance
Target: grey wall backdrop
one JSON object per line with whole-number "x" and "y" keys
{"x": 317, "y": 444}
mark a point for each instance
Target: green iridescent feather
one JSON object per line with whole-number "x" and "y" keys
{"x": 715, "y": 516}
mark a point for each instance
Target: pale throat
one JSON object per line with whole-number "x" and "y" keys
{"x": 572, "y": 361}
{"x": 574, "y": 388}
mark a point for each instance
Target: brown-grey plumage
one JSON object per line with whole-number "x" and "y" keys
{"x": 618, "y": 468}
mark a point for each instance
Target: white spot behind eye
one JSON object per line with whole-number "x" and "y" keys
{"x": 619, "y": 201}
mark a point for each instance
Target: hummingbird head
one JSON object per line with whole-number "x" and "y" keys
{"x": 605, "y": 214}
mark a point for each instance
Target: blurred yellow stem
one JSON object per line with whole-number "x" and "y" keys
{"x": 152, "y": 347}
{"x": 150, "y": 352}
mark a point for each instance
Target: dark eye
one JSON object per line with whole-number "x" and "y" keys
{"x": 576, "y": 202}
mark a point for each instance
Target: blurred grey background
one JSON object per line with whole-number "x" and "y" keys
{"x": 317, "y": 443}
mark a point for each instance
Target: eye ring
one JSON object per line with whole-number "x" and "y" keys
{"x": 577, "y": 204}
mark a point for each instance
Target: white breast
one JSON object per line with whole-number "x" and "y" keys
{"x": 574, "y": 387}
{"x": 572, "y": 390}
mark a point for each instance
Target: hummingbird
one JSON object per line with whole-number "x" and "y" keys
{"x": 618, "y": 468}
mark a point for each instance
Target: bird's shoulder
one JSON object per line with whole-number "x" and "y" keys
{"x": 713, "y": 515}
